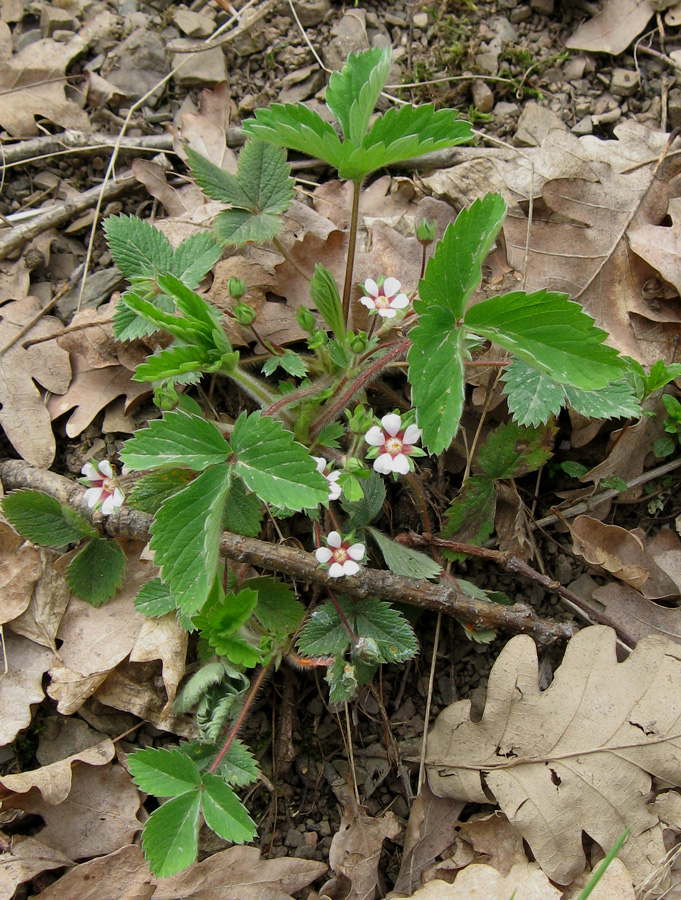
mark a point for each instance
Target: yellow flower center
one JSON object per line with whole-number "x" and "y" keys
{"x": 382, "y": 302}
{"x": 393, "y": 446}
{"x": 108, "y": 485}
{"x": 340, "y": 555}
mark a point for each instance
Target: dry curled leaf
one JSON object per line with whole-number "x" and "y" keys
{"x": 26, "y": 858}
{"x": 525, "y": 881}
{"x": 122, "y": 875}
{"x": 21, "y": 684}
{"x": 617, "y": 550}
{"x": 557, "y": 760}
{"x": 20, "y": 569}
{"x": 54, "y": 781}
{"x": 614, "y": 28}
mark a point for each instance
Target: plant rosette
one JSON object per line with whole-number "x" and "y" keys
{"x": 384, "y": 297}
{"x": 342, "y": 556}
{"x": 392, "y": 445}
{"x": 102, "y": 489}
{"x": 331, "y": 476}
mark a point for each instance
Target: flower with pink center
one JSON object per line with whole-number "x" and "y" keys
{"x": 331, "y": 477}
{"x": 392, "y": 445}
{"x": 102, "y": 490}
{"x": 384, "y": 298}
{"x": 342, "y": 556}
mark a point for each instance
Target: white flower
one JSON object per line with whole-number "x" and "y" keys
{"x": 394, "y": 445}
{"x": 331, "y": 477}
{"x": 386, "y": 299}
{"x": 342, "y": 555}
{"x": 102, "y": 488}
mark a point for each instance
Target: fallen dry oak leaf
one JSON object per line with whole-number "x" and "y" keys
{"x": 20, "y": 569}
{"x": 626, "y": 608}
{"x": 577, "y": 757}
{"x": 23, "y": 415}
{"x": 356, "y": 849}
{"x": 50, "y": 596}
{"x": 660, "y": 245}
{"x": 614, "y": 28}
{"x": 21, "y": 684}
{"x": 525, "y": 881}
{"x": 122, "y": 875}
{"x": 26, "y": 858}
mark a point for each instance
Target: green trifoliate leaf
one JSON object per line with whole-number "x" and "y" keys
{"x": 41, "y": 519}
{"x": 470, "y": 518}
{"x": 137, "y": 247}
{"x": 512, "y": 450}
{"x": 164, "y": 773}
{"x": 195, "y": 257}
{"x": 227, "y": 615}
{"x": 324, "y": 293}
{"x": 154, "y": 599}
{"x": 178, "y": 439}
{"x": 551, "y": 333}
{"x": 129, "y": 326}
{"x": 243, "y": 511}
{"x": 362, "y": 512}
{"x": 216, "y": 182}
{"x": 274, "y": 466}
{"x": 455, "y": 269}
{"x": 239, "y": 227}
{"x": 149, "y": 493}
{"x": 352, "y": 93}
{"x": 532, "y": 396}
{"x": 378, "y": 621}
{"x": 290, "y": 362}
{"x": 171, "y": 835}
{"x": 193, "y": 307}
{"x": 298, "y": 128}
{"x": 238, "y": 766}
{"x": 277, "y": 610}
{"x": 660, "y": 374}
{"x": 324, "y": 633}
{"x": 436, "y": 374}
{"x": 179, "y": 327}
{"x": 224, "y": 812}
{"x": 176, "y": 365}
{"x": 96, "y": 573}
{"x": 403, "y": 560}
{"x": 614, "y": 401}
{"x": 185, "y": 537}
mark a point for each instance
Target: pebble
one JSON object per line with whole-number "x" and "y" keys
{"x": 674, "y": 107}
{"x": 624, "y": 82}
{"x": 348, "y": 36}
{"x": 519, "y": 14}
{"x": 483, "y": 97}
{"x": 200, "y": 69}
{"x": 573, "y": 68}
{"x": 488, "y": 60}
{"x": 420, "y": 20}
{"x": 503, "y": 29}
{"x": 52, "y": 19}
{"x": 26, "y": 38}
{"x": 584, "y": 126}
{"x": 312, "y": 12}
{"x": 535, "y": 123}
{"x": 544, "y": 7}
{"x": 193, "y": 24}
{"x": 503, "y": 109}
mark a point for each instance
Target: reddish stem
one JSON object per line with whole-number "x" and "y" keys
{"x": 252, "y": 692}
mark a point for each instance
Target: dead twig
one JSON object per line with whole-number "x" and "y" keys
{"x": 71, "y": 141}
{"x": 303, "y": 566}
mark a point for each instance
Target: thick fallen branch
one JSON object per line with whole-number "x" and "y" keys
{"x": 518, "y": 618}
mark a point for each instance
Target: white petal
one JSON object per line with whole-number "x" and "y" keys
{"x": 333, "y": 476}
{"x": 401, "y": 464}
{"x": 334, "y": 491}
{"x": 371, "y": 287}
{"x": 375, "y": 436}
{"x": 384, "y": 464}
{"x": 411, "y": 435}
{"x": 399, "y": 302}
{"x": 336, "y": 570}
{"x": 323, "y": 555}
{"x": 391, "y": 286}
{"x": 90, "y": 472}
{"x": 334, "y": 539}
{"x": 368, "y": 302}
{"x": 356, "y": 551}
{"x": 105, "y": 468}
{"x": 387, "y": 313}
{"x": 108, "y": 506}
{"x": 391, "y": 423}
{"x": 118, "y": 497}
{"x": 350, "y": 567}
{"x": 320, "y": 462}
{"x": 92, "y": 496}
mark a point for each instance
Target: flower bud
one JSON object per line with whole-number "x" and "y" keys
{"x": 244, "y": 314}
{"x": 358, "y": 342}
{"x": 306, "y": 320}
{"x": 165, "y": 398}
{"x": 236, "y": 287}
{"x": 360, "y": 420}
{"x": 318, "y": 338}
{"x": 425, "y": 232}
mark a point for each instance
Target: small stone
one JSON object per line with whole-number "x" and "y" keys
{"x": 53, "y": 19}
{"x": 624, "y": 82}
{"x": 312, "y": 12}
{"x": 248, "y": 103}
{"x": 11, "y": 11}
{"x": 293, "y": 838}
{"x": 608, "y": 117}
{"x": 301, "y": 84}
{"x": 535, "y": 123}
{"x": 519, "y": 14}
{"x": 573, "y": 68}
{"x": 26, "y": 39}
{"x": 348, "y": 36}
{"x": 420, "y": 20}
{"x": 399, "y": 21}
{"x": 200, "y": 69}
{"x": 249, "y": 42}
{"x": 488, "y": 60}
{"x": 503, "y": 29}
{"x": 544, "y": 7}
{"x": 193, "y": 24}
{"x": 483, "y": 97}
{"x": 137, "y": 65}
{"x": 62, "y": 36}
{"x": 503, "y": 109}
{"x": 674, "y": 107}
{"x": 584, "y": 126}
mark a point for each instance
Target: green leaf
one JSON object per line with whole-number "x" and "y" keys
{"x": 243, "y": 511}
{"x": 343, "y": 681}
{"x": 362, "y": 512}
{"x": 532, "y": 395}
{"x": 41, "y": 519}
{"x": 574, "y": 469}
{"x": 239, "y": 227}
{"x": 228, "y": 615}
{"x": 195, "y": 257}
{"x": 403, "y": 560}
{"x": 216, "y": 182}
{"x": 179, "y": 327}
{"x": 197, "y": 310}
{"x": 455, "y": 269}
{"x": 436, "y": 374}
{"x": 277, "y": 610}
{"x": 511, "y": 450}
{"x": 149, "y": 493}
{"x": 290, "y": 362}
{"x": 379, "y": 621}
{"x": 352, "y": 93}
{"x": 324, "y": 633}
{"x": 238, "y": 766}
{"x": 664, "y": 446}
{"x": 616, "y": 400}
{"x": 551, "y": 333}
{"x": 129, "y": 326}
{"x": 96, "y": 573}
{"x": 185, "y": 537}
{"x": 178, "y": 439}
{"x": 162, "y": 772}
{"x": 176, "y": 365}
{"x": 470, "y": 518}
{"x": 298, "y": 128}
{"x": 278, "y": 469}
{"x": 137, "y": 247}
{"x": 154, "y": 599}
{"x": 224, "y": 812}
{"x": 329, "y": 435}
{"x": 325, "y": 295}
{"x": 661, "y": 374}
{"x": 171, "y": 835}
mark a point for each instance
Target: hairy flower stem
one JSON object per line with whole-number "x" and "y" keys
{"x": 352, "y": 244}
{"x": 342, "y": 401}
{"x": 256, "y": 684}
{"x": 255, "y": 389}
{"x": 298, "y": 395}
